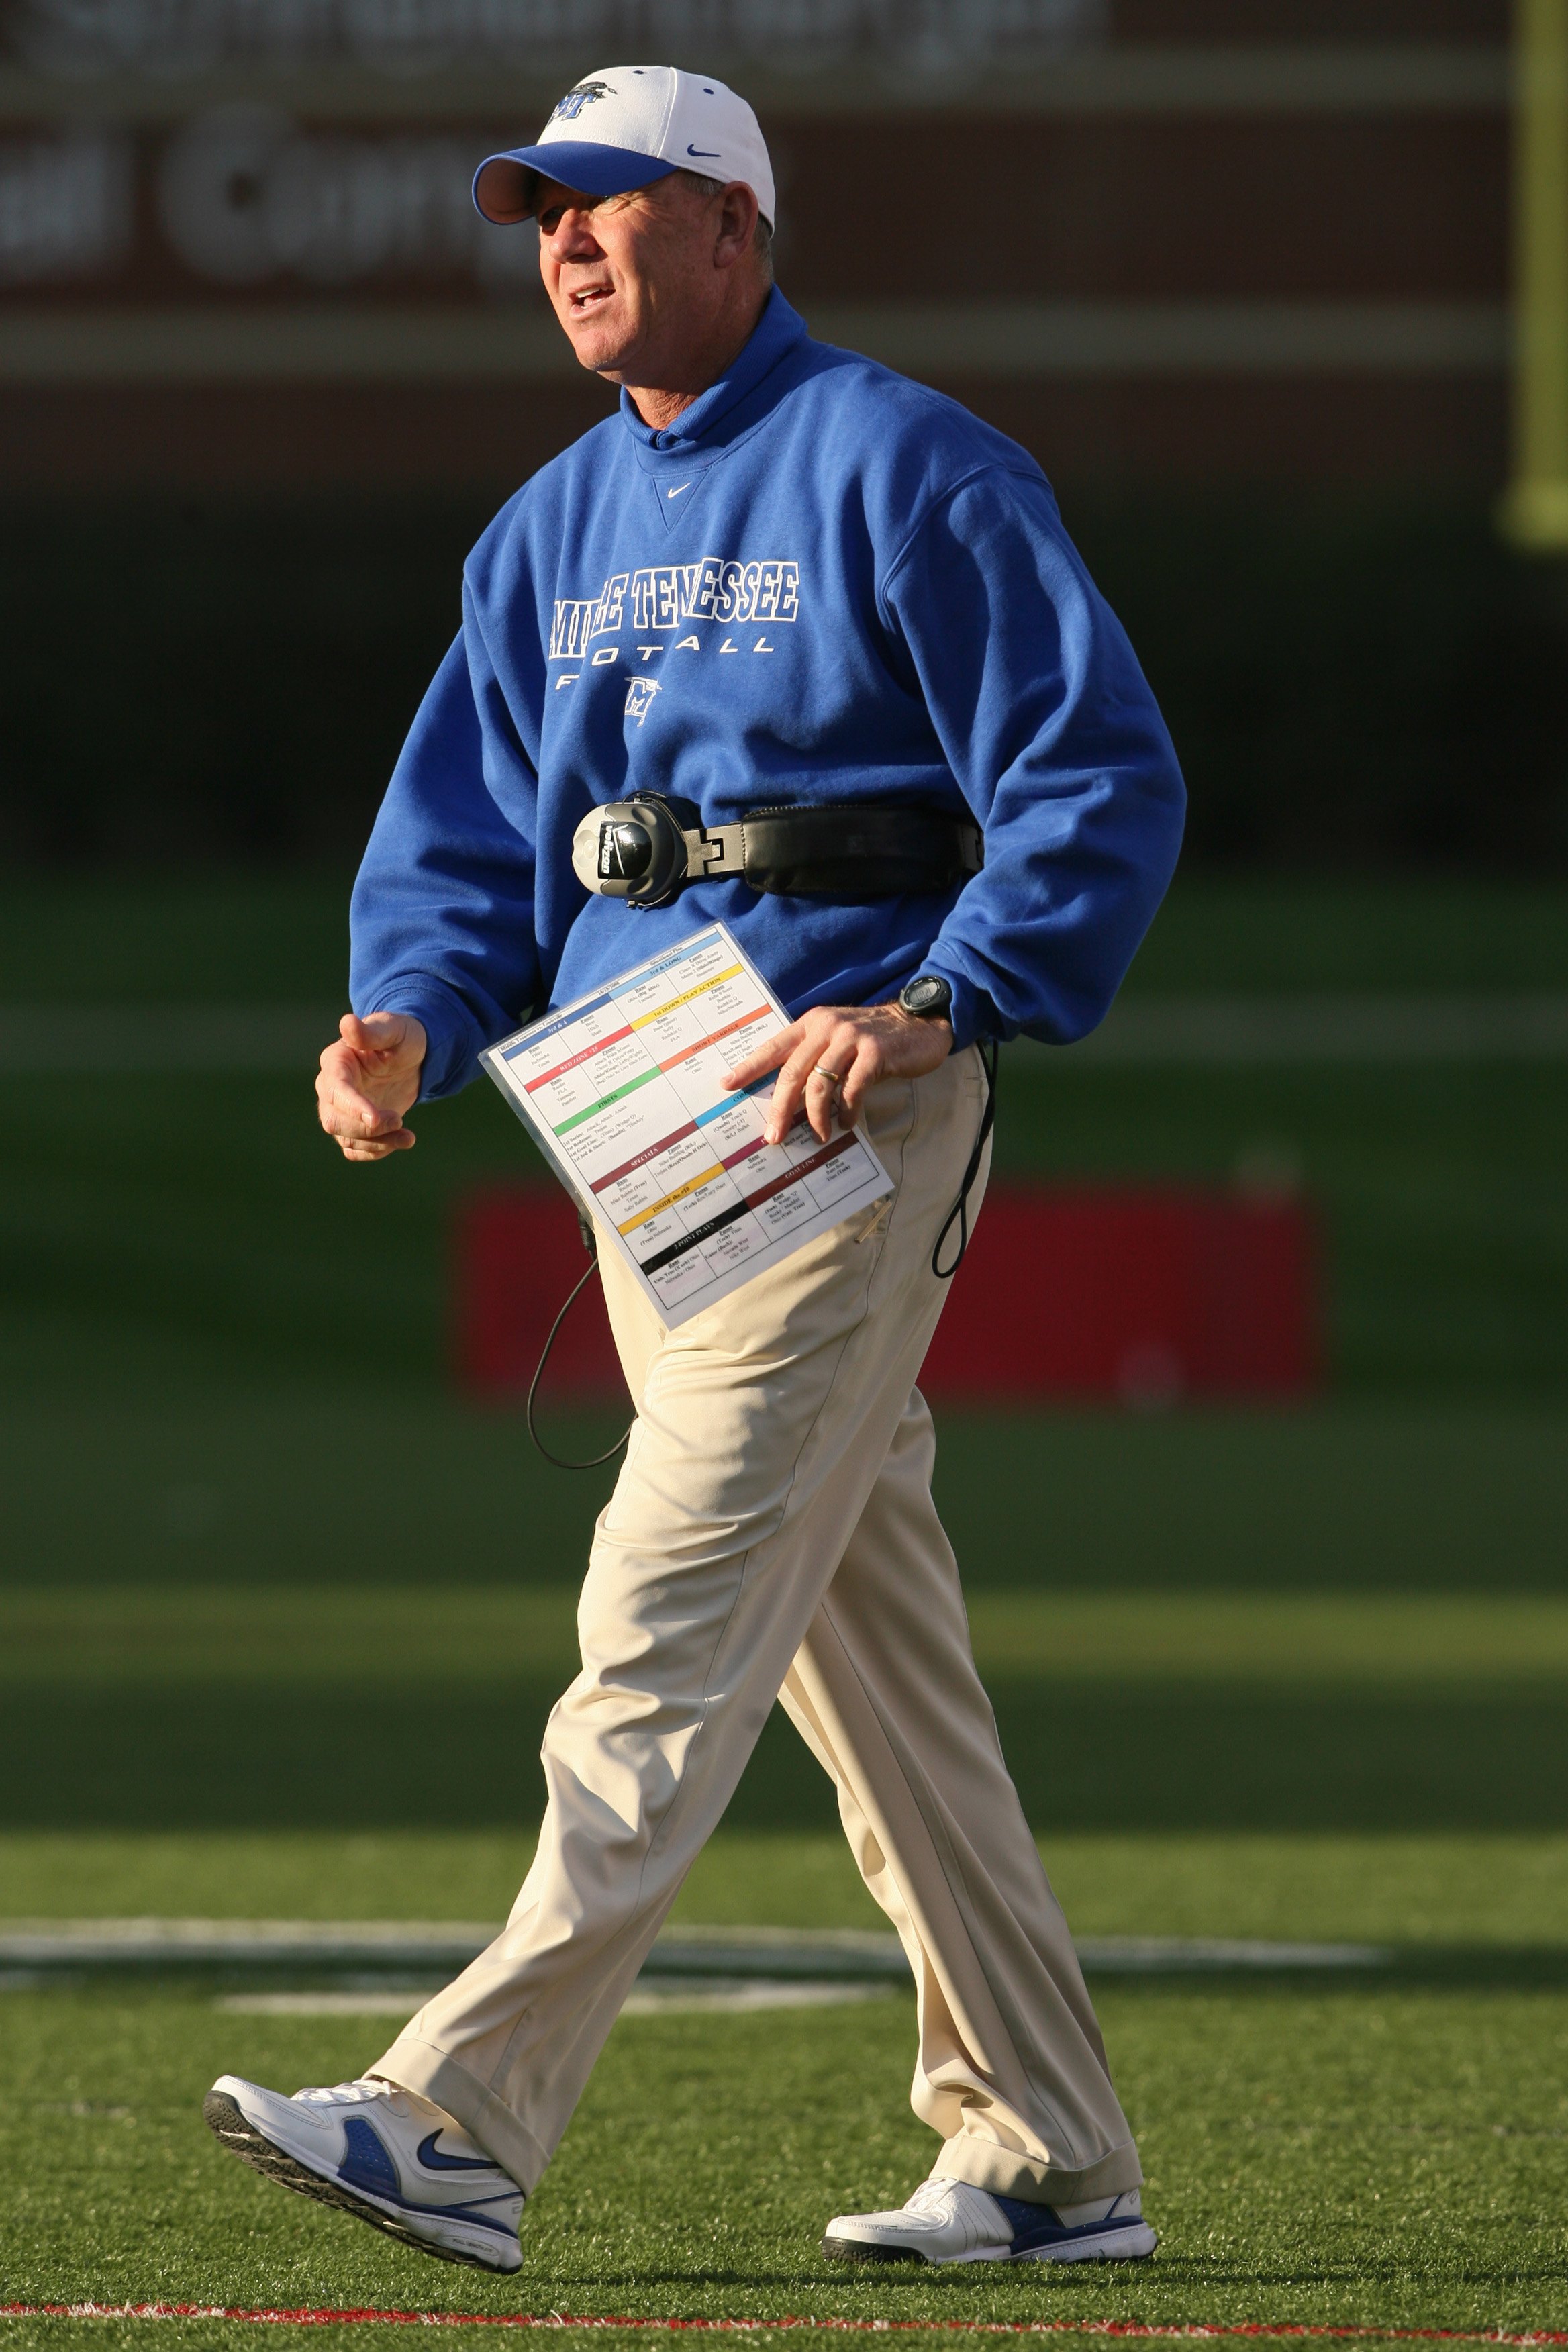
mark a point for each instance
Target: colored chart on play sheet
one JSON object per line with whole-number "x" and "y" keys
{"x": 631, "y": 1092}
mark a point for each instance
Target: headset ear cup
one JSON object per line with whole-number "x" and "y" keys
{"x": 607, "y": 846}
{"x": 664, "y": 821}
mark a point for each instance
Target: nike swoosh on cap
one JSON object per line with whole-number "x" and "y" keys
{"x": 709, "y": 154}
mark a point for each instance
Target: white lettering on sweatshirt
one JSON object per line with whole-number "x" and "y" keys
{"x": 718, "y": 588}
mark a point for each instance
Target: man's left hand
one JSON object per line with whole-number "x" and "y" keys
{"x": 829, "y": 1057}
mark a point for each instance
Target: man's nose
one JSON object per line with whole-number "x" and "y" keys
{"x": 572, "y": 238}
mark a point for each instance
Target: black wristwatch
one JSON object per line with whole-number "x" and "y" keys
{"x": 928, "y": 997}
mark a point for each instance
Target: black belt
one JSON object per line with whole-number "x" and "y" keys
{"x": 649, "y": 849}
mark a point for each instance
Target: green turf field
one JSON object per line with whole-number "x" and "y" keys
{"x": 1391, "y": 2152}
{"x": 1290, "y": 1675}
{"x": 1411, "y": 2175}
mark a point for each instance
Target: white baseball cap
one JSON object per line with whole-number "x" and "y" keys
{"x": 627, "y": 126}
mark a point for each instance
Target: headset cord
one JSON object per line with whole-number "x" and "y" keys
{"x": 560, "y": 1460}
{"x": 960, "y": 1209}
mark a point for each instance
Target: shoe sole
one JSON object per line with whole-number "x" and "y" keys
{"x": 1116, "y": 2246}
{"x": 224, "y": 2116}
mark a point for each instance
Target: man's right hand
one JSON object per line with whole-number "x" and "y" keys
{"x": 368, "y": 1079}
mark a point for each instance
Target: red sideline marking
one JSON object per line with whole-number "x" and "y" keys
{"x": 1140, "y": 2329}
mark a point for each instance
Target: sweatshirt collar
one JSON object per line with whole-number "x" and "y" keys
{"x": 775, "y": 335}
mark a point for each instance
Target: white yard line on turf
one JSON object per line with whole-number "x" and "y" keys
{"x": 675, "y": 1996}
{"x": 684, "y": 1954}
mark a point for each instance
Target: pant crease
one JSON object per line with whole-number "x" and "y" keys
{"x": 918, "y": 1785}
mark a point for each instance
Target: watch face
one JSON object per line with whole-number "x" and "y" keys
{"x": 928, "y": 994}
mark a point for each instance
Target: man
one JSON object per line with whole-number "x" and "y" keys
{"x": 780, "y": 578}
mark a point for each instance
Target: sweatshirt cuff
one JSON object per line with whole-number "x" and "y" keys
{"x": 972, "y": 1015}
{"x": 452, "y": 1039}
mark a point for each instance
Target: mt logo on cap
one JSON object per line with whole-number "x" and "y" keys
{"x": 641, "y": 124}
{"x": 572, "y": 105}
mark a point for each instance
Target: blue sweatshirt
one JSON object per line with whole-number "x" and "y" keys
{"x": 823, "y": 583}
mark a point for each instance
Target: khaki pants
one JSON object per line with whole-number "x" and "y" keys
{"x": 773, "y": 1535}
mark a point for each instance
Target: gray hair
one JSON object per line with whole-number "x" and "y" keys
{"x": 763, "y": 241}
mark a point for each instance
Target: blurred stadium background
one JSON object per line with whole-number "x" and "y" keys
{"x": 1240, "y": 278}
{"x": 1239, "y": 273}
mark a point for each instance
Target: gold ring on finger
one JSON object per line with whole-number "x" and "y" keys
{"x": 831, "y": 1075}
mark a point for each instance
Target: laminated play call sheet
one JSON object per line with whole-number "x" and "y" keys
{"x": 629, "y": 1092}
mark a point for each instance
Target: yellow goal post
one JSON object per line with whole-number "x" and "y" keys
{"x": 1535, "y": 508}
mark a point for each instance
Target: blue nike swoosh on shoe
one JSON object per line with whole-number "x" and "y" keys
{"x": 434, "y": 2159}
{"x": 1036, "y": 2225}
{"x": 368, "y": 2167}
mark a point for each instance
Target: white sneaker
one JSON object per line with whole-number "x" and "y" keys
{"x": 382, "y": 2154}
{"x": 949, "y": 2222}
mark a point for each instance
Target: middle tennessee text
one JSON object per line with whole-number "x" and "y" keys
{"x": 712, "y": 590}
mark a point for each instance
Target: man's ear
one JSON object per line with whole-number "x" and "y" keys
{"x": 737, "y": 226}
